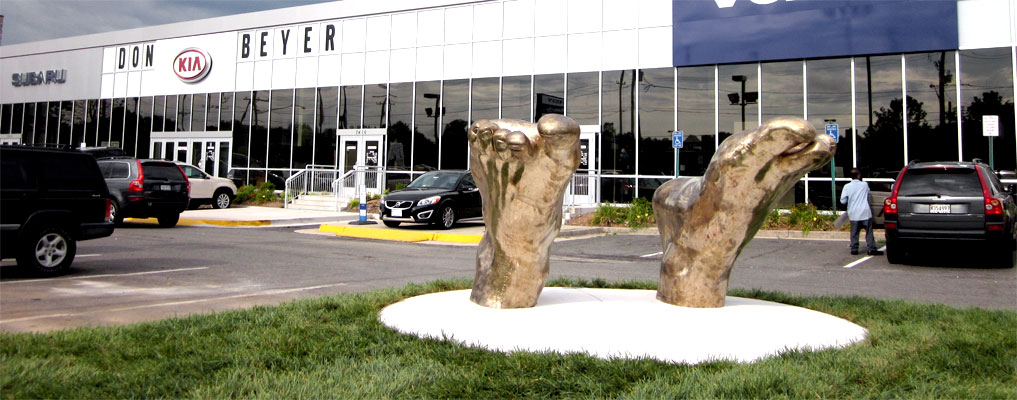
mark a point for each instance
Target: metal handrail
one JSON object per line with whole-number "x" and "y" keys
{"x": 348, "y": 186}
{"x": 314, "y": 178}
{"x": 583, "y": 184}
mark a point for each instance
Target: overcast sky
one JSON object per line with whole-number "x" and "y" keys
{"x": 34, "y": 20}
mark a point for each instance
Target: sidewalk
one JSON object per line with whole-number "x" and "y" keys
{"x": 339, "y": 223}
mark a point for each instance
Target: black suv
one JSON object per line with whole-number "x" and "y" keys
{"x": 51, "y": 199}
{"x": 951, "y": 200}
{"x": 437, "y": 197}
{"x": 145, "y": 189}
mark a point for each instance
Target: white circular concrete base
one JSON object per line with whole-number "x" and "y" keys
{"x": 618, "y": 323}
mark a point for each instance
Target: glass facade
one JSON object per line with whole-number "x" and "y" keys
{"x": 890, "y": 109}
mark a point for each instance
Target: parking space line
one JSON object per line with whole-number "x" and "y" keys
{"x": 104, "y": 275}
{"x": 177, "y": 303}
{"x": 863, "y": 259}
{"x": 659, "y": 253}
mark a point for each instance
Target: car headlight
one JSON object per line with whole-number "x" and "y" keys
{"x": 429, "y": 201}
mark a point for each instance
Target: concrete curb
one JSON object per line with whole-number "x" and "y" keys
{"x": 242, "y": 223}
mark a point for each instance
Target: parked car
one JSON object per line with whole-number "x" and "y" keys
{"x": 207, "y": 189}
{"x": 104, "y": 152}
{"x": 959, "y": 201}
{"x": 437, "y": 197}
{"x": 145, "y": 189}
{"x": 51, "y": 198}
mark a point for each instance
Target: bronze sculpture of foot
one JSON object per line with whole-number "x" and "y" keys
{"x": 705, "y": 222}
{"x": 522, "y": 170}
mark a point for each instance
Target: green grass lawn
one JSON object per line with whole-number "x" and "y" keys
{"x": 334, "y": 347}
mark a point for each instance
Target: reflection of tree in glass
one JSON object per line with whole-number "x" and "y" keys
{"x": 975, "y": 145}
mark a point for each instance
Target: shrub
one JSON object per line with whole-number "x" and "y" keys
{"x": 803, "y": 216}
{"x": 638, "y": 214}
{"x": 263, "y": 193}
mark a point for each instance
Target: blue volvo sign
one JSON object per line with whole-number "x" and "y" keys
{"x": 734, "y": 31}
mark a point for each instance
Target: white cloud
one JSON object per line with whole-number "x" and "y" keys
{"x": 34, "y": 20}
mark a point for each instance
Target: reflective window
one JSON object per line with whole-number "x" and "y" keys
{"x": 617, "y": 142}
{"x": 485, "y": 99}
{"x": 455, "y": 106}
{"x": 198, "y": 112}
{"x": 77, "y": 124}
{"x": 280, "y": 129}
{"x": 91, "y": 121}
{"x": 695, "y": 119}
{"x": 170, "y": 124}
{"x": 739, "y": 99}
{"x": 548, "y": 95}
{"x": 303, "y": 128}
{"x": 425, "y": 138}
{"x": 158, "y": 113}
{"x": 259, "y": 134}
{"x": 28, "y": 124}
{"x": 400, "y": 98}
{"x": 375, "y": 105}
{"x": 145, "y": 127}
{"x": 116, "y": 131}
{"x": 17, "y": 117}
{"x": 183, "y": 113}
{"x": 932, "y": 96}
{"x": 130, "y": 141}
{"x": 241, "y": 128}
{"x": 878, "y": 90}
{"x": 583, "y": 97}
{"x": 66, "y": 118}
{"x": 326, "y": 120}
{"x": 987, "y": 89}
{"x": 226, "y": 112}
{"x": 105, "y": 115}
{"x": 515, "y": 97}
{"x": 5, "y": 118}
{"x": 41, "y": 112}
{"x": 350, "y": 103}
{"x": 656, "y": 122}
{"x": 829, "y": 103}
{"x": 212, "y": 112}
{"x": 617, "y": 190}
{"x": 783, "y": 90}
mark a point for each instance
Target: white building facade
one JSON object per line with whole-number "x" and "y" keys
{"x": 395, "y": 84}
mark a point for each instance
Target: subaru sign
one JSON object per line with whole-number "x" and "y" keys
{"x": 734, "y": 31}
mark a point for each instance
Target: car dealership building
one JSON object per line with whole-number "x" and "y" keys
{"x": 394, "y": 85}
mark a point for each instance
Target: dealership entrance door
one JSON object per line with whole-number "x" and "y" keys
{"x": 209, "y": 154}
{"x": 362, "y": 147}
{"x": 583, "y": 189}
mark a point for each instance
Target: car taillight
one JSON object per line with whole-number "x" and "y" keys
{"x": 138, "y": 185}
{"x": 186, "y": 181}
{"x": 109, "y": 209}
{"x": 890, "y": 205}
{"x": 993, "y": 206}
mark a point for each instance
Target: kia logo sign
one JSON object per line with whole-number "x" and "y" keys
{"x": 192, "y": 65}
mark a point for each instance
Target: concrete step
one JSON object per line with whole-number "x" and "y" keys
{"x": 314, "y": 202}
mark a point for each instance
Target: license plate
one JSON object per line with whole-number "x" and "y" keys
{"x": 939, "y": 208}
{"x": 165, "y": 187}
{"x": 397, "y": 213}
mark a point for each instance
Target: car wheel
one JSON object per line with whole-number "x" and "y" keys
{"x": 222, "y": 199}
{"x": 391, "y": 224}
{"x": 48, "y": 252}
{"x": 447, "y": 218}
{"x": 169, "y": 220}
{"x": 114, "y": 213}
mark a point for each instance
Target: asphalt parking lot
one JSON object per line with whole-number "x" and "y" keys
{"x": 144, "y": 273}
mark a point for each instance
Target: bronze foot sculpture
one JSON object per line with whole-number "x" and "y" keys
{"x": 522, "y": 170}
{"x": 705, "y": 222}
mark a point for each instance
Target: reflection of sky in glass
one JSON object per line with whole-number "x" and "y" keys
{"x": 695, "y": 101}
{"x": 515, "y": 97}
{"x": 656, "y": 103}
{"x": 583, "y": 93}
{"x": 782, "y": 90}
{"x": 730, "y": 117}
{"x": 485, "y": 99}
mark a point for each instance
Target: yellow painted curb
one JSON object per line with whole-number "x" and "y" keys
{"x": 192, "y": 222}
{"x": 452, "y": 237}
{"x": 396, "y": 235}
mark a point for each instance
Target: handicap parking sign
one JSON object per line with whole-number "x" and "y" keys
{"x": 834, "y": 131}
{"x": 677, "y": 139}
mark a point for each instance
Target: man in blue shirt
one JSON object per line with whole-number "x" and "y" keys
{"x": 856, "y": 196}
